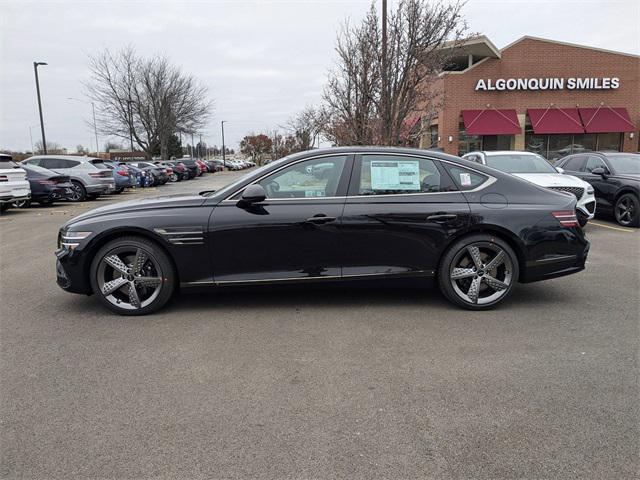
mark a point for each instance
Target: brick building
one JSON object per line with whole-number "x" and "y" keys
{"x": 539, "y": 95}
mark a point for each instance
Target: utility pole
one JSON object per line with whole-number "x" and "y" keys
{"x": 31, "y": 138}
{"x": 35, "y": 69}
{"x": 129, "y": 102}
{"x": 191, "y": 144}
{"x": 95, "y": 125}
{"x": 224, "y": 163}
{"x": 199, "y": 147}
{"x": 386, "y": 121}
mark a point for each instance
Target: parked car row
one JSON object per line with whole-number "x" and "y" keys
{"x": 608, "y": 181}
{"x": 44, "y": 179}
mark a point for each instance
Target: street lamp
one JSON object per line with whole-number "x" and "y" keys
{"x": 129, "y": 102}
{"x": 95, "y": 127}
{"x": 35, "y": 70}
{"x": 224, "y": 163}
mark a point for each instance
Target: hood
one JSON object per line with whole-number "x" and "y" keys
{"x": 153, "y": 203}
{"x": 628, "y": 176}
{"x": 553, "y": 179}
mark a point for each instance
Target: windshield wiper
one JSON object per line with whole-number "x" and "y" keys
{"x": 207, "y": 193}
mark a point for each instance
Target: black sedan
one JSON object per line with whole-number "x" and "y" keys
{"x": 615, "y": 177}
{"x": 379, "y": 213}
{"x": 46, "y": 186}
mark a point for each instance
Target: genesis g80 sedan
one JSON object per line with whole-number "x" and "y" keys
{"x": 329, "y": 215}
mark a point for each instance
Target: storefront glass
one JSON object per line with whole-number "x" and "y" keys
{"x": 553, "y": 147}
{"x": 467, "y": 143}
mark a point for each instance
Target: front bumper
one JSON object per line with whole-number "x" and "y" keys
{"x": 70, "y": 272}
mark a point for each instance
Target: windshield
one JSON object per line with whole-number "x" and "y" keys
{"x": 232, "y": 186}
{"x": 625, "y": 163}
{"x": 514, "y": 163}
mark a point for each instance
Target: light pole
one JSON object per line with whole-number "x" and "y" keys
{"x": 129, "y": 102}
{"x": 95, "y": 127}
{"x": 224, "y": 163}
{"x": 35, "y": 70}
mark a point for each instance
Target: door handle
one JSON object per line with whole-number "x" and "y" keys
{"x": 320, "y": 219}
{"x": 442, "y": 217}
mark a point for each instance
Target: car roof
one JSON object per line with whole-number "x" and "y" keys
{"x": 490, "y": 153}
{"x": 67, "y": 157}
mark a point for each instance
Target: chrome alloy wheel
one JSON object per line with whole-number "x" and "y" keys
{"x": 76, "y": 193}
{"x": 481, "y": 273}
{"x": 625, "y": 210}
{"x": 129, "y": 277}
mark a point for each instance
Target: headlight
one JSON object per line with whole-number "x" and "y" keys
{"x": 70, "y": 240}
{"x": 590, "y": 190}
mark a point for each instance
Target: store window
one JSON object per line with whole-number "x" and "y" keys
{"x": 559, "y": 146}
{"x": 585, "y": 143}
{"x": 536, "y": 143}
{"x": 609, "y": 141}
{"x": 467, "y": 143}
{"x": 497, "y": 142}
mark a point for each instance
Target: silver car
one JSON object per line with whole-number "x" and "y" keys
{"x": 90, "y": 176}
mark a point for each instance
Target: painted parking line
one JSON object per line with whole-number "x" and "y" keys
{"x": 620, "y": 229}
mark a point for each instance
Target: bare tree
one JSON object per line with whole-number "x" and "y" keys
{"x": 305, "y": 127}
{"x": 374, "y": 94}
{"x": 354, "y": 85}
{"x": 52, "y": 148}
{"x": 148, "y": 99}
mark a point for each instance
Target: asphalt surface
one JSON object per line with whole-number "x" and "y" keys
{"x": 385, "y": 381}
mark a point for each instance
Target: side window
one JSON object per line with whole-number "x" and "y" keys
{"x": 311, "y": 179}
{"x": 575, "y": 164}
{"x": 51, "y": 163}
{"x": 594, "y": 162}
{"x": 69, "y": 163}
{"x": 33, "y": 161}
{"x": 397, "y": 174}
{"x": 465, "y": 179}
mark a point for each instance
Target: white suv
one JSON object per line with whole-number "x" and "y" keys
{"x": 534, "y": 168}
{"x": 14, "y": 186}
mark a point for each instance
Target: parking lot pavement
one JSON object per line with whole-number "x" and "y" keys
{"x": 361, "y": 382}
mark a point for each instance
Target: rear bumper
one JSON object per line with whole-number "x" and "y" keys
{"x": 554, "y": 266}
{"x": 14, "y": 191}
{"x": 100, "y": 188}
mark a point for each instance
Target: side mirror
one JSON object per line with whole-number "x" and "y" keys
{"x": 599, "y": 171}
{"x": 252, "y": 194}
{"x": 560, "y": 169}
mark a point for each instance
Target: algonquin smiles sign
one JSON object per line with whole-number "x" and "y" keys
{"x": 510, "y": 84}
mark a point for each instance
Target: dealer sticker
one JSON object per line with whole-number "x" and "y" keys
{"x": 465, "y": 179}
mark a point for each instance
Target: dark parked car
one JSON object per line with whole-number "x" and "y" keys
{"x": 46, "y": 186}
{"x": 192, "y": 167}
{"x": 143, "y": 179}
{"x": 615, "y": 177}
{"x": 380, "y": 213}
{"x": 175, "y": 173}
{"x": 158, "y": 173}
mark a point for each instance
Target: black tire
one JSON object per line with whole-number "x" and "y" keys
{"x": 22, "y": 204}
{"x": 93, "y": 196}
{"x": 79, "y": 193}
{"x": 162, "y": 270}
{"x": 45, "y": 202}
{"x": 118, "y": 191}
{"x": 627, "y": 210}
{"x": 496, "y": 283}
{"x": 174, "y": 177}
{"x": 4, "y": 207}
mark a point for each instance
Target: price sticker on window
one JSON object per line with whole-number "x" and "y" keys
{"x": 465, "y": 179}
{"x": 395, "y": 175}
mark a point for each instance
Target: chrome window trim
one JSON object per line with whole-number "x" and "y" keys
{"x": 490, "y": 179}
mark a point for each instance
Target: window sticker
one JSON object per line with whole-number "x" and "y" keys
{"x": 465, "y": 179}
{"x": 395, "y": 175}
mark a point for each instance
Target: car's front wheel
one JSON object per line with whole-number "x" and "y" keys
{"x": 627, "y": 210}
{"x": 478, "y": 272}
{"x": 132, "y": 276}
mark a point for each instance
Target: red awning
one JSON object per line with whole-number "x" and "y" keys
{"x": 491, "y": 122}
{"x": 606, "y": 119}
{"x": 555, "y": 120}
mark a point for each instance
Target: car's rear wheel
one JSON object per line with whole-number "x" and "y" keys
{"x": 78, "y": 192}
{"x": 132, "y": 276}
{"x": 627, "y": 210}
{"x": 22, "y": 204}
{"x": 478, "y": 272}
{"x": 174, "y": 177}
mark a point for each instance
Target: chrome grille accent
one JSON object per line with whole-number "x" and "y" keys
{"x": 575, "y": 191}
{"x": 182, "y": 235}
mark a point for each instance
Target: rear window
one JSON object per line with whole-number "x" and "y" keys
{"x": 99, "y": 164}
{"x": 465, "y": 179}
{"x": 4, "y": 163}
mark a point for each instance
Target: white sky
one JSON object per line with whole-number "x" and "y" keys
{"x": 262, "y": 60}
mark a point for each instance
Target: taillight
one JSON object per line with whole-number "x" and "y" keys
{"x": 3, "y": 178}
{"x": 567, "y": 218}
{"x": 123, "y": 173}
{"x": 46, "y": 182}
{"x": 95, "y": 175}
